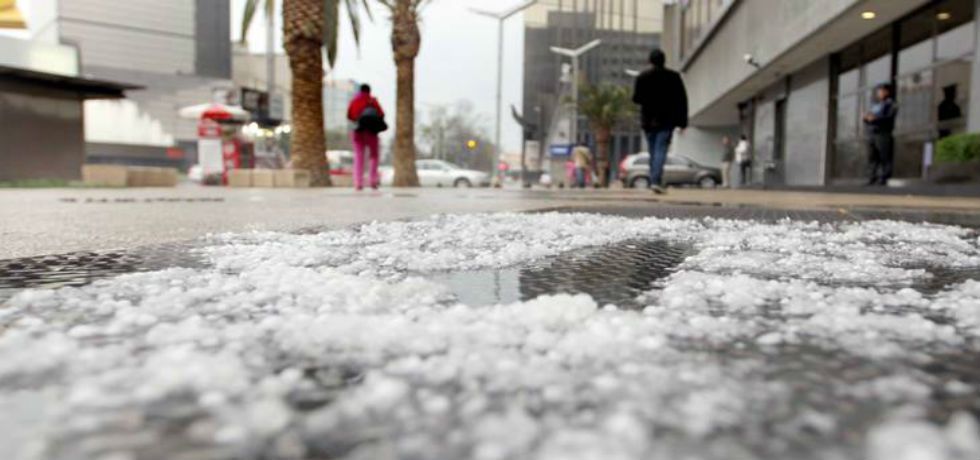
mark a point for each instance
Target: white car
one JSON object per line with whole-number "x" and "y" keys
{"x": 438, "y": 173}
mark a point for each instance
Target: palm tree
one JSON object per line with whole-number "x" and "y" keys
{"x": 605, "y": 106}
{"x": 406, "y": 41}
{"x": 309, "y": 26}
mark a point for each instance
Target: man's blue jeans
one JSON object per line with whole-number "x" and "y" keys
{"x": 659, "y": 141}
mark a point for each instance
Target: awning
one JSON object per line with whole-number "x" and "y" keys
{"x": 215, "y": 111}
{"x": 88, "y": 88}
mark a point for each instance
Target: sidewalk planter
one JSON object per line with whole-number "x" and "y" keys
{"x": 105, "y": 175}
{"x": 239, "y": 178}
{"x": 265, "y": 178}
{"x": 292, "y": 178}
{"x": 957, "y": 159}
{"x": 139, "y": 177}
{"x": 128, "y": 176}
{"x": 950, "y": 173}
{"x": 151, "y": 177}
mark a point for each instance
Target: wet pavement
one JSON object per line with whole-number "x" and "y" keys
{"x": 820, "y": 409}
{"x": 609, "y": 274}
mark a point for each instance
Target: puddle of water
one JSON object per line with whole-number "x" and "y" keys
{"x": 617, "y": 274}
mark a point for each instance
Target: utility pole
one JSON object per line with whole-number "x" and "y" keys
{"x": 501, "y": 17}
{"x": 270, "y": 50}
{"x": 527, "y": 133}
{"x": 575, "y": 54}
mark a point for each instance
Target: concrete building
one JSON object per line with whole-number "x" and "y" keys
{"x": 629, "y": 29}
{"x": 796, "y": 77}
{"x": 42, "y": 93}
{"x": 250, "y": 76}
{"x": 178, "y": 50}
{"x": 337, "y": 95}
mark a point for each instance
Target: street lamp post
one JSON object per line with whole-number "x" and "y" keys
{"x": 501, "y": 17}
{"x": 575, "y": 54}
{"x": 527, "y": 133}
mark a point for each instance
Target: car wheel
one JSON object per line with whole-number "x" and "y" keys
{"x": 708, "y": 182}
{"x": 462, "y": 182}
{"x": 640, "y": 182}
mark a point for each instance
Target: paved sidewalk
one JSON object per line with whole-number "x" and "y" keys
{"x": 51, "y": 221}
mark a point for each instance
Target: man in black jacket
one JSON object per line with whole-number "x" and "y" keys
{"x": 661, "y": 94}
{"x": 880, "y": 122}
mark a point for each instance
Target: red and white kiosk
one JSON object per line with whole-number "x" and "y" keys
{"x": 220, "y": 145}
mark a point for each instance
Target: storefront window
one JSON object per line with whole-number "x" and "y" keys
{"x": 956, "y": 43}
{"x": 847, "y": 116}
{"x": 932, "y": 83}
{"x": 954, "y": 24}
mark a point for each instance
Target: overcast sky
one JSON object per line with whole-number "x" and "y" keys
{"x": 457, "y": 61}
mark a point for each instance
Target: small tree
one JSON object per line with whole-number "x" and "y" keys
{"x": 605, "y": 106}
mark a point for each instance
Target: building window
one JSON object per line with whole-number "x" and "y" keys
{"x": 930, "y": 70}
{"x": 698, "y": 17}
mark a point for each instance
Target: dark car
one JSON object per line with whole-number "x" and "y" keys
{"x": 679, "y": 170}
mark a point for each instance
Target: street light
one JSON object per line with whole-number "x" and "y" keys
{"x": 575, "y": 54}
{"x": 501, "y": 17}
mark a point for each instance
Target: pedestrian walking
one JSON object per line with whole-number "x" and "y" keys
{"x": 880, "y": 123}
{"x": 743, "y": 156}
{"x": 727, "y": 158}
{"x": 662, "y": 97}
{"x": 369, "y": 120}
{"x": 582, "y": 157}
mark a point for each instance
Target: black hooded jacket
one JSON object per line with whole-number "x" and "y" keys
{"x": 661, "y": 94}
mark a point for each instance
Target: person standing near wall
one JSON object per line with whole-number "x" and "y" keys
{"x": 663, "y": 98}
{"x": 880, "y": 123}
{"x": 727, "y": 158}
{"x": 743, "y": 156}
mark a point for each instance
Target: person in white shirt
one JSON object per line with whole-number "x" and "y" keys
{"x": 743, "y": 157}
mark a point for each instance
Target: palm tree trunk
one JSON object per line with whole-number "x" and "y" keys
{"x": 602, "y": 138}
{"x": 405, "y": 43}
{"x": 302, "y": 30}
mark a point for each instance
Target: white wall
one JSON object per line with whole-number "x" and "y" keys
{"x": 763, "y": 28}
{"x": 806, "y": 126}
{"x": 148, "y": 35}
{"x": 702, "y": 145}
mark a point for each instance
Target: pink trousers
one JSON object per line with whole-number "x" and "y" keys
{"x": 362, "y": 140}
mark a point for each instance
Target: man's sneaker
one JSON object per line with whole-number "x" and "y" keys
{"x": 656, "y": 189}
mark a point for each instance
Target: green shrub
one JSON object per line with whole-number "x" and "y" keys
{"x": 959, "y": 148}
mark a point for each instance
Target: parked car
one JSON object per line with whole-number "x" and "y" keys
{"x": 438, "y": 173}
{"x": 634, "y": 171}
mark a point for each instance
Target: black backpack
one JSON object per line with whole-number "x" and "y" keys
{"x": 371, "y": 121}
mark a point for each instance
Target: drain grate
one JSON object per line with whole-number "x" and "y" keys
{"x": 81, "y": 268}
{"x": 616, "y": 274}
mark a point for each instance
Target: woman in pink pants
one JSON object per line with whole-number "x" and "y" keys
{"x": 366, "y": 112}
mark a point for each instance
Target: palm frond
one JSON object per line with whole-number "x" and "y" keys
{"x": 606, "y": 105}
{"x": 248, "y": 16}
{"x": 331, "y": 22}
{"x": 355, "y": 20}
{"x": 251, "y": 6}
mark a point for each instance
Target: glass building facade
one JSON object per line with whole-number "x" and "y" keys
{"x": 927, "y": 56}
